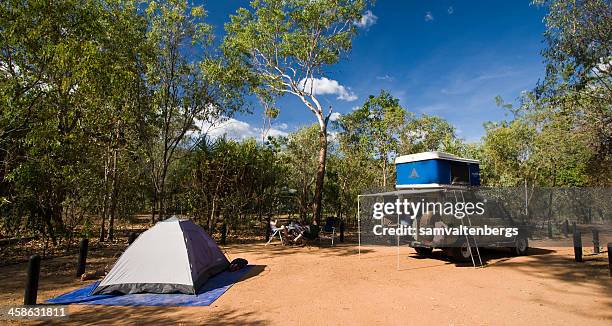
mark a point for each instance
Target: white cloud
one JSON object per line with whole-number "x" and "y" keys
{"x": 428, "y": 16}
{"x": 239, "y": 130}
{"x": 450, "y": 10}
{"x": 335, "y": 116}
{"x": 333, "y": 136}
{"x": 385, "y": 77}
{"x": 324, "y": 86}
{"x": 368, "y": 19}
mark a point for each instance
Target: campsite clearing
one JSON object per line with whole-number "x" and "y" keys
{"x": 337, "y": 286}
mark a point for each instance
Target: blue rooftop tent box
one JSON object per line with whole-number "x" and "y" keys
{"x": 435, "y": 169}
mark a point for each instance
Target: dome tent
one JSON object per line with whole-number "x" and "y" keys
{"x": 174, "y": 256}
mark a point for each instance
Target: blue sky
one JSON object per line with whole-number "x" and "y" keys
{"x": 439, "y": 57}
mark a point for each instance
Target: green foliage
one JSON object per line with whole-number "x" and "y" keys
{"x": 374, "y": 129}
{"x": 65, "y": 71}
{"x": 560, "y": 133}
{"x": 577, "y": 88}
{"x": 224, "y": 181}
{"x": 100, "y": 103}
{"x": 537, "y": 146}
{"x": 430, "y": 133}
{"x": 285, "y": 45}
{"x": 297, "y": 155}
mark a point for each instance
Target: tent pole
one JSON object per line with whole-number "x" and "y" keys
{"x": 398, "y": 241}
{"x": 358, "y": 225}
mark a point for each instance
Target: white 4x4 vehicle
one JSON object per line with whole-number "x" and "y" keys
{"x": 508, "y": 233}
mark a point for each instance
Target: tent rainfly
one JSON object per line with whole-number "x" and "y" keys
{"x": 174, "y": 256}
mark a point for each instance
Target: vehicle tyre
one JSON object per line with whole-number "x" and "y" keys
{"x": 423, "y": 251}
{"x": 521, "y": 246}
{"x": 462, "y": 252}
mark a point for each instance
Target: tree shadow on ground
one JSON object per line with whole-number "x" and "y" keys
{"x": 487, "y": 255}
{"x": 276, "y": 250}
{"x": 589, "y": 278}
{"x": 58, "y": 272}
{"x": 96, "y": 315}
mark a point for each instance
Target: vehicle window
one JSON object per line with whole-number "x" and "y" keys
{"x": 460, "y": 173}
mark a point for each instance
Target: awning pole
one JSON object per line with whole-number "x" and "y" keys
{"x": 359, "y": 225}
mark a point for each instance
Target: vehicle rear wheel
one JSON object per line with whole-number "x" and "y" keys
{"x": 462, "y": 253}
{"x": 521, "y": 246}
{"x": 423, "y": 251}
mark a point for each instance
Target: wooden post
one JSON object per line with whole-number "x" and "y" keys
{"x": 31, "y": 289}
{"x": 82, "y": 257}
{"x": 223, "y": 233}
{"x": 341, "y": 231}
{"x": 574, "y": 227}
{"x": 595, "y": 240}
{"x": 565, "y": 228}
{"x": 550, "y": 231}
{"x": 577, "y": 246}
{"x": 132, "y": 237}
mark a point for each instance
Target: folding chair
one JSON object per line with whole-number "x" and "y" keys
{"x": 276, "y": 231}
{"x": 329, "y": 230}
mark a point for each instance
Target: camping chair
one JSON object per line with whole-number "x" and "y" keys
{"x": 329, "y": 230}
{"x": 275, "y": 230}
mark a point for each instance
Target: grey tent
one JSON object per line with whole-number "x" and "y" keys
{"x": 174, "y": 256}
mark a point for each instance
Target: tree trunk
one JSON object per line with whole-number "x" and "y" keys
{"x": 318, "y": 195}
{"x": 102, "y": 235}
{"x": 46, "y": 215}
{"x": 384, "y": 172}
{"x": 153, "y": 205}
{"x": 162, "y": 191}
{"x": 211, "y": 217}
{"x": 114, "y": 191}
{"x": 162, "y": 212}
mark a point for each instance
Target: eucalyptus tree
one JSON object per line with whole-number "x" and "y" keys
{"x": 121, "y": 102}
{"x": 506, "y": 151}
{"x": 376, "y": 127}
{"x": 287, "y": 45}
{"x": 189, "y": 82}
{"x": 538, "y": 146}
{"x": 429, "y": 133}
{"x": 578, "y": 81}
{"x": 54, "y": 58}
{"x": 298, "y": 154}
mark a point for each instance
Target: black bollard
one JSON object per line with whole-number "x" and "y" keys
{"x": 82, "y": 257}
{"x": 565, "y": 228}
{"x": 577, "y": 246}
{"x": 132, "y": 237}
{"x": 223, "y": 233}
{"x": 610, "y": 259}
{"x": 595, "y": 240}
{"x": 31, "y": 289}
{"x": 341, "y": 231}
{"x": 550, "y": 231}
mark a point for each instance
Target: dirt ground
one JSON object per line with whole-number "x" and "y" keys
{"x": 336, "y": 285}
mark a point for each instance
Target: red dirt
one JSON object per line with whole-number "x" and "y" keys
{"x": 337, "y": 286}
